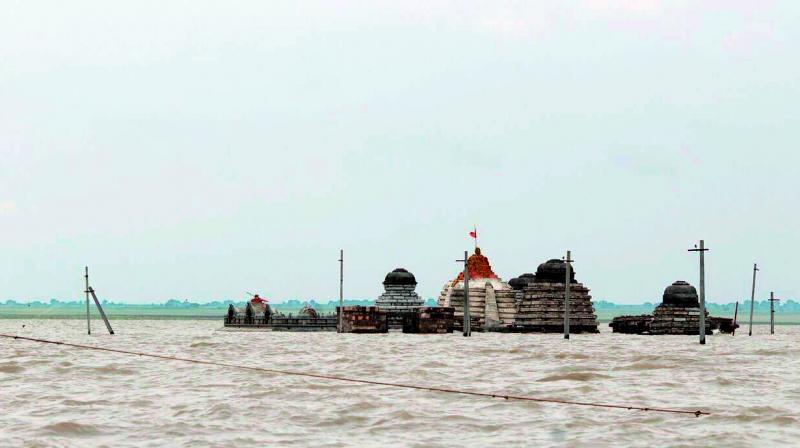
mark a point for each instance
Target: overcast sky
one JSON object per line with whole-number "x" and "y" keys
{"x": 202, "y": 149}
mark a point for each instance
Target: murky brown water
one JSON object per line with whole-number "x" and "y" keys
{"x": 61, "y": 396}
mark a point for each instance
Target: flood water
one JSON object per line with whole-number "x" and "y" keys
{"x": 62, "y": 396}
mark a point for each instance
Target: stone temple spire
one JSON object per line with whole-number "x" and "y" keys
{"x": 492, "y": 301}
{"x": 478, "y": 267}
{"x": 540, "y": 300}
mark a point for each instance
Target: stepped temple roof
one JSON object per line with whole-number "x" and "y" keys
{"x": 540, "y": 301}
{"x": 400, "y": 276}
{"x": 681, "y": 293}
{"x": 518, "y": 283}
{"x": 491, "y": 301}
{"x": 553, "y": 271}
{"x": 478, "y": 267}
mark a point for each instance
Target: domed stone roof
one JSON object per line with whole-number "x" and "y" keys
{"x": 681, "y": 293}
{"x": 518, "y": 283}
{"x": 553, "y": 271}
{"x": 400, "y": 276}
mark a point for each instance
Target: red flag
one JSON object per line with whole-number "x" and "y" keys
{"x": 474, "y": 234}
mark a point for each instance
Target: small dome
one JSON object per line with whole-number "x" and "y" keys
{"x": 553, "y": 271}
{"x": 400, "y": 276}
{"x": 681, "y": 293}
{"x": 522, "y": 281}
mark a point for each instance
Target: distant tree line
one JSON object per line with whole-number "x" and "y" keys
{"x": 787, "y": 305}
{"x": 763, "y": 305}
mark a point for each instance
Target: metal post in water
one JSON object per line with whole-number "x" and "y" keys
{"x": 771, "y": 312}
{"x": 702, "y": 292}
{"x": 466, "y": 325}
{"x": 772, "y": 300}
{"x": 88, "y": 321}
{"x": 467, "y": 321}
{"x": 702, "y": 251}
{"x": 752, "y": 298}
{"x": 566, "y": 295}
{"x": 341, "y": 289}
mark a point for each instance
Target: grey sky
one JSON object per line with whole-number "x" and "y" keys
{"x": 201, "y": 149}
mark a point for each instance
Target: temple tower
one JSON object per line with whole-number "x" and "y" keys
{"x": 491, "y": 301}
{"x": 541, "y": 301}
{"x": 399, "y": 298}
{"x": 679, "y": 312}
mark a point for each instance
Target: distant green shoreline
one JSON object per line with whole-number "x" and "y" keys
{"x": 75, "y": 310}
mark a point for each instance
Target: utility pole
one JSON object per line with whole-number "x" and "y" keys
{"x": 772, "y": 301}
{"x": 90, "y": 290}
{"x": 467, "y": 324}
{"x": 100, "y": 309}
{"x": 566, "y": 294}
{"x": 341, "y": 289}
{"x": 752, "y": 298}
{"x": 702, "y": 251}
{"x": 88, "y": 321}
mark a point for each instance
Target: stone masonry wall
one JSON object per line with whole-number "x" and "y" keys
{"x": 397, "y": 301}
{"x": 542, "y": 309}
{"x": 672, "y": 319}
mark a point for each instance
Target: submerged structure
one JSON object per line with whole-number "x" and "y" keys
{"x": 363, "y": 319}
{"x": 426, "y": 320}
{"x": 678, "y": 313}
{"x": 491, "y": 300}
{"x": 258, "y": 314}
{"x": 399, "y": 298}
{"x": 540, "y": 299}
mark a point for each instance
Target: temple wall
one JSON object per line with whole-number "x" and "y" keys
{"x": 542, "y": 309}
{"x": 397, "y": 301}
{"x": 506, "y": 306}
{"x": 429, "y": 320}
{"x": 477, "y": 305}
{"x": 363, "y": 319}
{"x": 670, "y": 319}
{"x": 497, "y": 306}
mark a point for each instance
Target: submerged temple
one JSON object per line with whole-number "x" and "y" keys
{"x": 429, "y": 320}
{"x": 541, "y": 301}
{"x": 362, "y": 319}
{"x": 399, "y": 298}
{"x": 678, "y": 313}
{"x": 491, "y": 300}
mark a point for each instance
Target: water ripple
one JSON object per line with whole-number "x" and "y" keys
{"x": 58, "y": 396}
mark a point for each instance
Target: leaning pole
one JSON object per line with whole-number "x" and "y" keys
{"x": 752, "y": 298}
